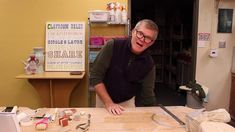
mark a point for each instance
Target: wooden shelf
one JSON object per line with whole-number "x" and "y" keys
{"x": 51, "y": 75}
{"x": 95, "y": 46}
{"x": 108, "y": 23}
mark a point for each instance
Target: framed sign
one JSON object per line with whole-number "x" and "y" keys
{"x": 65, "y": 46}
{"x": 225, "y": 21}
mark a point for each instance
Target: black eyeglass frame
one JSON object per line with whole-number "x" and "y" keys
{"x": 140, "y": 35}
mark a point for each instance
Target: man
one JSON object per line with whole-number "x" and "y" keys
{"x": 124, "y": 70}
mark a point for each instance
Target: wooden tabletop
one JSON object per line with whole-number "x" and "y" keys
{"x": 141, "y": 119}
{"x": 51, "y": 75}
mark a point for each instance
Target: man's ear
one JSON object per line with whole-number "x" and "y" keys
{"x": 132, "y": 31}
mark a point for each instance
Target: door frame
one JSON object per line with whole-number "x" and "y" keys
{"x": 194, "y": 33}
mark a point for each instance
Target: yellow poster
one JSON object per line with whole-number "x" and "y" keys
{"x": 65, "y": 46}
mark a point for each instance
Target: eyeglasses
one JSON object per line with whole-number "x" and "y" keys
{"x": 141, "y": 35}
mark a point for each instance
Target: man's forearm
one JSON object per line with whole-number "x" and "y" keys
{"x": 111, "y": 107}
{"x": 103, "y": 94}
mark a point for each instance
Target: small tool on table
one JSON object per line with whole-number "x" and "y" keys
{"x": 85, "y": 126}
{"x": 172, "y": 115}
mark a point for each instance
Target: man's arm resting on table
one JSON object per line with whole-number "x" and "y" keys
{"x": 98, "y": 71}
{"x": 108, "y": 102}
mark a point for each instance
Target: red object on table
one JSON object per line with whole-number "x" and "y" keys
{"x": 63, "y": 122}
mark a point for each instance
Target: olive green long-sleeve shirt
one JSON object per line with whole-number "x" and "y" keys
{"x": 146, "y": 96}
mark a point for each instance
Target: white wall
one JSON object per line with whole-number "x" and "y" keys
{"x": 215, "y": 73}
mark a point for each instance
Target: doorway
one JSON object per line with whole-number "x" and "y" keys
{"x": 174, "y": 51}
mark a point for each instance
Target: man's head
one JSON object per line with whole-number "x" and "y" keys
{"x": 143, "y": 35}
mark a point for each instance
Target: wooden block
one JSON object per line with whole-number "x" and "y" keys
{"x": 63, "y": 122}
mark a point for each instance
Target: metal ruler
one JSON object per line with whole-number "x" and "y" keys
{"x": 172, "y": 115}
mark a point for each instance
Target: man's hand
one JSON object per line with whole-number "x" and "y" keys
{"x": 110, "y": 106}
{"x": 115, "y": 109}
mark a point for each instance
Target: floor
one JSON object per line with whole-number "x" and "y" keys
{"x": 165, "y": 95}
{"x": 232, "y": 123}
{"x": 169, "y": 96}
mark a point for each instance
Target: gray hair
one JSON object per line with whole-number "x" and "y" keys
{"x": 149, "y": 24}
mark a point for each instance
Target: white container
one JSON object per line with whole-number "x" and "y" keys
{"x": 99, "y": 16}
{"x": 118, "y": 16}
{"x": 124, "y": 16}
{"x": 112, "y": 16}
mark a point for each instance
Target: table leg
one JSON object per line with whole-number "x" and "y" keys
{"x": 42, "y": 86}
{"x": 62, "y": 90}
{"x": 54, "y": 92}
{"x": 51, "y": 95}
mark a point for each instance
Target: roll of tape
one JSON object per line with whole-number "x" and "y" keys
{"x": 29, "y": 123}
{"x": 26, "y": 121}
{"x": 21, "y": 116}
{"x": 41, "y": 126}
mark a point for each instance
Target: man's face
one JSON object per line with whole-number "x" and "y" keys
{"x": 141, "y": 39}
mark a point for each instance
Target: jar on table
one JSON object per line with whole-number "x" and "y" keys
{"x": 31, "y": 66}
{"x": 39, "y": 54}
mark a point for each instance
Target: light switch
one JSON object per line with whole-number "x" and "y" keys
{"x": 222, "y": 44}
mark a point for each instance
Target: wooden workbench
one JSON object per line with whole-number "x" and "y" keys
{"x": 132, "y": 120}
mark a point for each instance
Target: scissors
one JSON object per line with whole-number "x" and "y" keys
{"x": 84, "y": 126}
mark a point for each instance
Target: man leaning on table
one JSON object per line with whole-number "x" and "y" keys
{"x": 123, "y": 73}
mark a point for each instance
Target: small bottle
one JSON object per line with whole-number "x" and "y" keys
{"x": 112, "y": 15}
{"x": 112, "y": 12}
{"x": 118, "y": 17}
{"x": 124, "y": 15}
